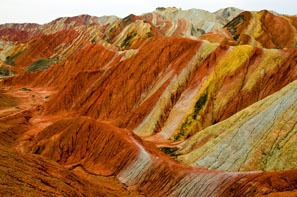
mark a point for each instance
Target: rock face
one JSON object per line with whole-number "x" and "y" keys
{"x": 228, "y": 13}
{"x": 264, "y": 132}
{"x": 23, "y": 45}
{"x": 264, "y": 29}
{"x": 145, "y": 106}
{"x": 185, "y": 23}
{"x": 25, "y": 175}
{"x": 189, "y": 23}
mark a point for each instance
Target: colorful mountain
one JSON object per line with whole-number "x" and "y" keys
{"x": 169, "y": 103}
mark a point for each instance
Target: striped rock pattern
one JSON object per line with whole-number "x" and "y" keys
{"x": 145, "y": 106}
{"x": 260, "y": 137}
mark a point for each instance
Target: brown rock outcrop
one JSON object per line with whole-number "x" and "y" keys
{"x": 264, "y": 29}
{"x": 31, "y": 175}
{"x": 111, "y": 100}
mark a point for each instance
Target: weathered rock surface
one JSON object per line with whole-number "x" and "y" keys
{"x": 260, "y": 137}
{"x": 264, "y": 29}
{"x": 95, "y": 106}
{"x": 90, "y": 149}
{"x": 228, "y": 13}
{"x": 31, "y": 175}
{"x": 22, "y": 45}
{"x": 189, "y": 23}
{"x": 185, "y": 23}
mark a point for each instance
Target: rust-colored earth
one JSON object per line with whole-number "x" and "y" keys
{"x": 152, "y": 105}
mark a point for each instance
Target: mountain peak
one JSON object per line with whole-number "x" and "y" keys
{"x": 169, "y": 103}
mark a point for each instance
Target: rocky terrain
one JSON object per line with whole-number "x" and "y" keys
{"x": 169, "y": 103}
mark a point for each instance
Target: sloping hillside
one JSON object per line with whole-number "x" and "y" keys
{"x": 169, "y": 103}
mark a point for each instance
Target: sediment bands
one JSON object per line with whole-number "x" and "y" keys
{"x": 169, "y": 103}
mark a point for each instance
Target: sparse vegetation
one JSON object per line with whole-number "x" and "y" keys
{"x": 10, "y": 59}
{"x": 236, "y": 37}
{"x": 185, "y": 129}
{"x": 127, "y": 42}
{"x": 149, "y": 34}
{"x": 199, "y": 104}
{"x": 25, "y": 89}
{"x": 41, "y": 64}
{"x": 93, "y": 41}
{"x": 5, "y": 71}
{"x": 160, "y": 8}
{"x": 126, "y": 20}
{"x": 190, "y": 122}
{"x": 111, "y": 30}
{"x": 169, "y": 150}
{"x": 232, "y": 25}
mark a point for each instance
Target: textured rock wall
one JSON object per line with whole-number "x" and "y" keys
{"x": 142, "y": 106}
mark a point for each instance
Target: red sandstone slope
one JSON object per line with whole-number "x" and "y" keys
{"x": 90, "y": 150}
{"x": 31, "y": 175}
{"x": 264, "y": 29}
{"x": 18, "y": 32}
{"x": 24, "y": 45}
{"x": 102, "y": 112}
{"x": 30, "y": 47}
{"x": 99, "y": 89}
{"x": 27, "y": 31}
{"x": 51, "y": 49}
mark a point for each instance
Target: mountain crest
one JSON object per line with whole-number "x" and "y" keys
{"x": 168, "y": 103}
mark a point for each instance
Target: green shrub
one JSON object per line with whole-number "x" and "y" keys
{"x": 232, "y": 25}
{"x": 169, "y": 150}
{"x": 191, "y": 120}
{"x": 93, "y": 41}
{"x": 10, "y": 59}
{"x": 127, "y": 42}
{"x": 149, "y": 34}
{"x": 185, "y": 129}
{"x": 5, "y": 71}
{"x": 41, "y": 64}
{"x": 199, "y": 104}
{"x": 25, "y": 89}
{"x": 236, "y": 37}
